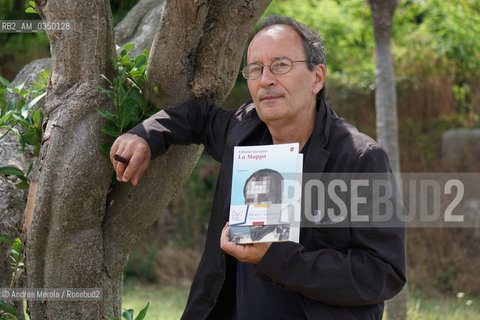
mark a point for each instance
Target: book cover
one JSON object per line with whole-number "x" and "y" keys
{"x": 266, "y": 193}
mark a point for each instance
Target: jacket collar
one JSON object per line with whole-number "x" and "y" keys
{"x": 317, "y": 156}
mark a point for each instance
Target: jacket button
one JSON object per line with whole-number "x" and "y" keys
{"x": 209, "y": 302}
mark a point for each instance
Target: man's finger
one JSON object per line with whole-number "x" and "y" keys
{"x": 228, "y": 246}
{"x": 132, "y": 167}
{"x": 136, "y": 176}
{"x": 114, "y": 150}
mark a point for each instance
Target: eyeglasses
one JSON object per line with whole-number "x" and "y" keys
{"x": 281, "y": 66}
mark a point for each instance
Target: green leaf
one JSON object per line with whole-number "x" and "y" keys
{"x": 37, "y": 117}
{"x": 17, "y": 134}
{"x": 22, "y": 185}
{"x": 5, "y": 82}
{"x": 106, "y": 92}
{"x": 146, "y": 53}
{"x": 21, "y": 119}
{"x": 138, "y": 99}
{"x": 105, "y": 77}
{"x": 19, "y": 87}
{"x": 107, "y": 114}
{"x": 16, "y": 255}
{"x": 112, "y": 130}
{"x": 11, "y": 171}
{"x": 33, "y": 102}
{"x": 26, "y": 140}
{"x": 143, "y": 313}
{"x": 8, "y": 308}
{"x": 18, "y": 246}
{"x": 106, "y": 148}
{"x": 121, "y": 74}
{"x": 128, "y": 46}
{"x": 128, "y": 314}
{"x": 12, "y": 104}
{"x": 5, "y": 238}
{"x": 140, "y": 60}
{"x": 20, "y": 104}
{"x": 30, "y": 10}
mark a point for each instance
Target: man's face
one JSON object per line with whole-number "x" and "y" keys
{"x": 287, "y": 97}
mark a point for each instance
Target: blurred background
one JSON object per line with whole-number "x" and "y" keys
{"x": 436, "y": 55}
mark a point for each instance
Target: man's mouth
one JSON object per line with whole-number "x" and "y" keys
{"x": 270, "y": 98}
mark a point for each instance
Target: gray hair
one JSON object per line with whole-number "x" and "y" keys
{"x": 312, "y": 43}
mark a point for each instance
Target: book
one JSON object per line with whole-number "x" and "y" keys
{"x": 265, "y": 203}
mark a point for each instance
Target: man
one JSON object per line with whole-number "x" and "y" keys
{"x": 333, "y": 273}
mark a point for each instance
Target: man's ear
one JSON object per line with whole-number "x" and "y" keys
{"x": 319, "y": 73}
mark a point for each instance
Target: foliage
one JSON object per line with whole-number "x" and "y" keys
{"x": 7, "y": 311}
{"x": 347, "y": 32}
{"x": 457, "y": 120}
{"x": 436, "y": 38}
{"x": 126, "y": 92}
{"x": 142, "y": 263}
{"x": 191, "y": 211}
{"x": 19, "y": 114}
{"x": 18, "y": 49}
{"x": 31, "y": 8}
{"x": 454, "y": 26}
{"x": 128, "y": 314}
{"x": 14, "y": 171}
{"x": 120, "y": 9}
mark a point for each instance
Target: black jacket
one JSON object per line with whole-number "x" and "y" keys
{"x": 339, "y": 273}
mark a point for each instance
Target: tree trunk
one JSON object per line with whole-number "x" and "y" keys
{"x": 75, "y": 239}
{"x": 386, "y": 113}
{"x": 65, "y": 239}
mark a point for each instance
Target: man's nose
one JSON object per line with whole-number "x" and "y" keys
{"x": 267, "y": 78}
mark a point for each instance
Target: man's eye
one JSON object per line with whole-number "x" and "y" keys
{"x": 281, "y": 66}
{"x": 254, "y": 69}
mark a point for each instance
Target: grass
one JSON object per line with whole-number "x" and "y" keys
{"x": 461, "y": 307}
{"x": 167, "y": 303}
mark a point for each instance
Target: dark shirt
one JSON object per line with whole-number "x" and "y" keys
{"x": 258, "y": 299}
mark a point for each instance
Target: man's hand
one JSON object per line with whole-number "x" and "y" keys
{"x": 248, "y": 253}
{"x": 136, "y": 151}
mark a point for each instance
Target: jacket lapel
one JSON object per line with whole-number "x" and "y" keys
{"x": 317, "y": 155}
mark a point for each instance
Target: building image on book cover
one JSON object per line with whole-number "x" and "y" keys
{"x": 265, "y": 193}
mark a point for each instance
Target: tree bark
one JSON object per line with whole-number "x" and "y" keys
{"x": 385, "y": 92}
{"x": 386, "y": 113}
{"x": 139, "y": 26}
{"x": 65, "y": 239}
{"x": 75, "y": 239}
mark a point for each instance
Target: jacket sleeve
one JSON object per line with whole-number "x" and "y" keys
{"x": 195, "y": 121}
{"x": 370, "y": 270}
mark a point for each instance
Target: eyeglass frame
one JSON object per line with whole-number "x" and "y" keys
{"x": 270, "y": 67}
